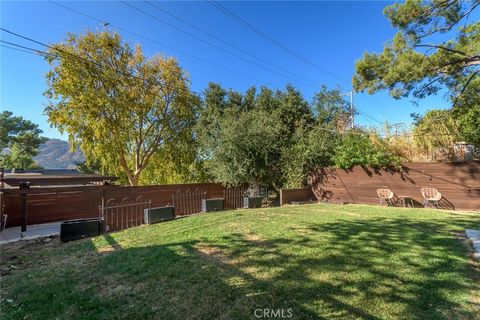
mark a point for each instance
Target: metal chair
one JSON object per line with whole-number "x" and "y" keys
{"x": 387, "y": 196}
{"x": 431, "y": 195}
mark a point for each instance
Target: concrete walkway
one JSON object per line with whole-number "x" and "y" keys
{"x": 33, "y": 232}
{"x": 474, "y": 236}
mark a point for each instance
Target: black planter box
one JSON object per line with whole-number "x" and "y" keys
{"x": 212, "y": 204}
{"x": 252, "y": 202}
{"x": 80, "y": 228}
{"x": 155, "y": 215}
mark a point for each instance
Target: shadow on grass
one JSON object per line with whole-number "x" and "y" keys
{"x": 370, "y": 269}
{"x": 361, "y": 269}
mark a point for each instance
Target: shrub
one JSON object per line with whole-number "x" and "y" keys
{"x": 358, "y": 147}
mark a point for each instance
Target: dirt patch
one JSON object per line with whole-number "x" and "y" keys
{"x": 214, "y": 254}
{"x": 106, "y": 250}
{"x": 16, "y": 255}
{"x": 257, "y": 240}
{"x": 111, "y": 286}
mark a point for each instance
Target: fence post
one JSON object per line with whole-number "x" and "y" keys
{"x": 24, "y": 186}
{"x": 103, "y": 200}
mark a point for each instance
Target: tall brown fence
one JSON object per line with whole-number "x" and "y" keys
{"x": 50, "y": 204}
{"x": 296, "y": 195}
{"x": 459, "y": 183}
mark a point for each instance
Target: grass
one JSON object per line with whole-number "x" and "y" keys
{"x": 320, "y": 261}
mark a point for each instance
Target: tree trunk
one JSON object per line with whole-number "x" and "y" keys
{"x": 133, "y": 180}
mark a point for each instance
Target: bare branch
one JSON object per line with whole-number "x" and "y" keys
{"x": 472, "y": 76}
{"x": 443, "y": 48}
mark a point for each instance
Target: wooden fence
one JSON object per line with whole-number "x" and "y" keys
{"x": 296, "y": 195}
{"x": 50, "y": 204}
{"x": 459, "y": 183}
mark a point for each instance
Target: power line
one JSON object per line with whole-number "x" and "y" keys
{"x": 208, "y": 42}
{"x": 16, "y": 49}
{"x": 270, "y": 39}
{"x": 105, "y": 23}
{"x": 30, "y": 50}
{"x": 99, "y": 65}
{"x": 367, "y": 115}
{"x": 21, "y": 48}
{"x": 264, "y": 35}
{"x": 227, "y": 43}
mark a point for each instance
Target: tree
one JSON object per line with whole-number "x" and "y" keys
{"x": 120, "y": 107}
{"x": 416, "y": 61}
{"x": 293, "y": 111}
{"x": 469, "y": 124}
{"x": 21, "y": 138}
{"x": 247, "y": 149}
{"x": 243, "y": 136}
{"x": 313, "y": 147}
{"x": 358, "y": 147}
{"x": 331, "y": 108}
{"x": 436, "y": 132}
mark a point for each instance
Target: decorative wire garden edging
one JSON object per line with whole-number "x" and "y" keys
{"x": 234, "y": 197}
{"x": 124, "y": 214}
{"x": 186, "y": 202}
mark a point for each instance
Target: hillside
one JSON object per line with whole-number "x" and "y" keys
{"x": 55, "y": 154}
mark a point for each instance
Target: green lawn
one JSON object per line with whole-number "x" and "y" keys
{"x": 320, "y": 261}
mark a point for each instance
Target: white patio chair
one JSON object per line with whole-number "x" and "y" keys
{"x": 431, "y": 195}
{"x": 386, "y": 196}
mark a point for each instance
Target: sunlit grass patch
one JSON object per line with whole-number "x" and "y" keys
{"x": 322, "y": 261}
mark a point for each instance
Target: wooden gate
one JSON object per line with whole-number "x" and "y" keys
{"x": 124, "y": 214}
{"x": 188, "y": 201}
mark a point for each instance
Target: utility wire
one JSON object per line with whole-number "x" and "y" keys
{"x": 16, "y": 49}
{"x": 21, "y": 48}
{"x": 209, "y": 42}
{"x": 264, "y": 35}
{"x": 37, "y": 52}
{"x": 227, "y": 43}
{"x": 104, "y": 22}
{"x": 270, "y": 39}
{"x": 69, "y": 54}
{"x": 367, "y": 115}
{"x": 29, "y": 50}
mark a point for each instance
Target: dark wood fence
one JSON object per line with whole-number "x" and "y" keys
{"x": 50, "y": 204}
{"x": 296, "y": 195}
{"x": 459, "y": 183}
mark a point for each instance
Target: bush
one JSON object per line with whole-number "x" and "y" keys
{"x": 362, "y": 148}
{"x": 312, "y": 148}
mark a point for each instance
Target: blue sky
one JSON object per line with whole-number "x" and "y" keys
{"x": 332, "y": 35}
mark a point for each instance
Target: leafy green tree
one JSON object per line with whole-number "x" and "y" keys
{"x": 436, "y": 132}
{"x": 267, "y": 100}
{"x": 236, "y": 151}
{"x": 417, "y": 61}
{"x": 331, "y": 108}
{"x": 358, "y": 147}
{"x": 293, "y": 111}
{"x": 21, "y": 138}
{"x": 467, "y": 113}
{"x": 246, "y": 149}
{"x": 119, "y": 106}
{"x": 313, "y": 147}
{"x": 213, "y": 108}
{"x": 469, "y": 124}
